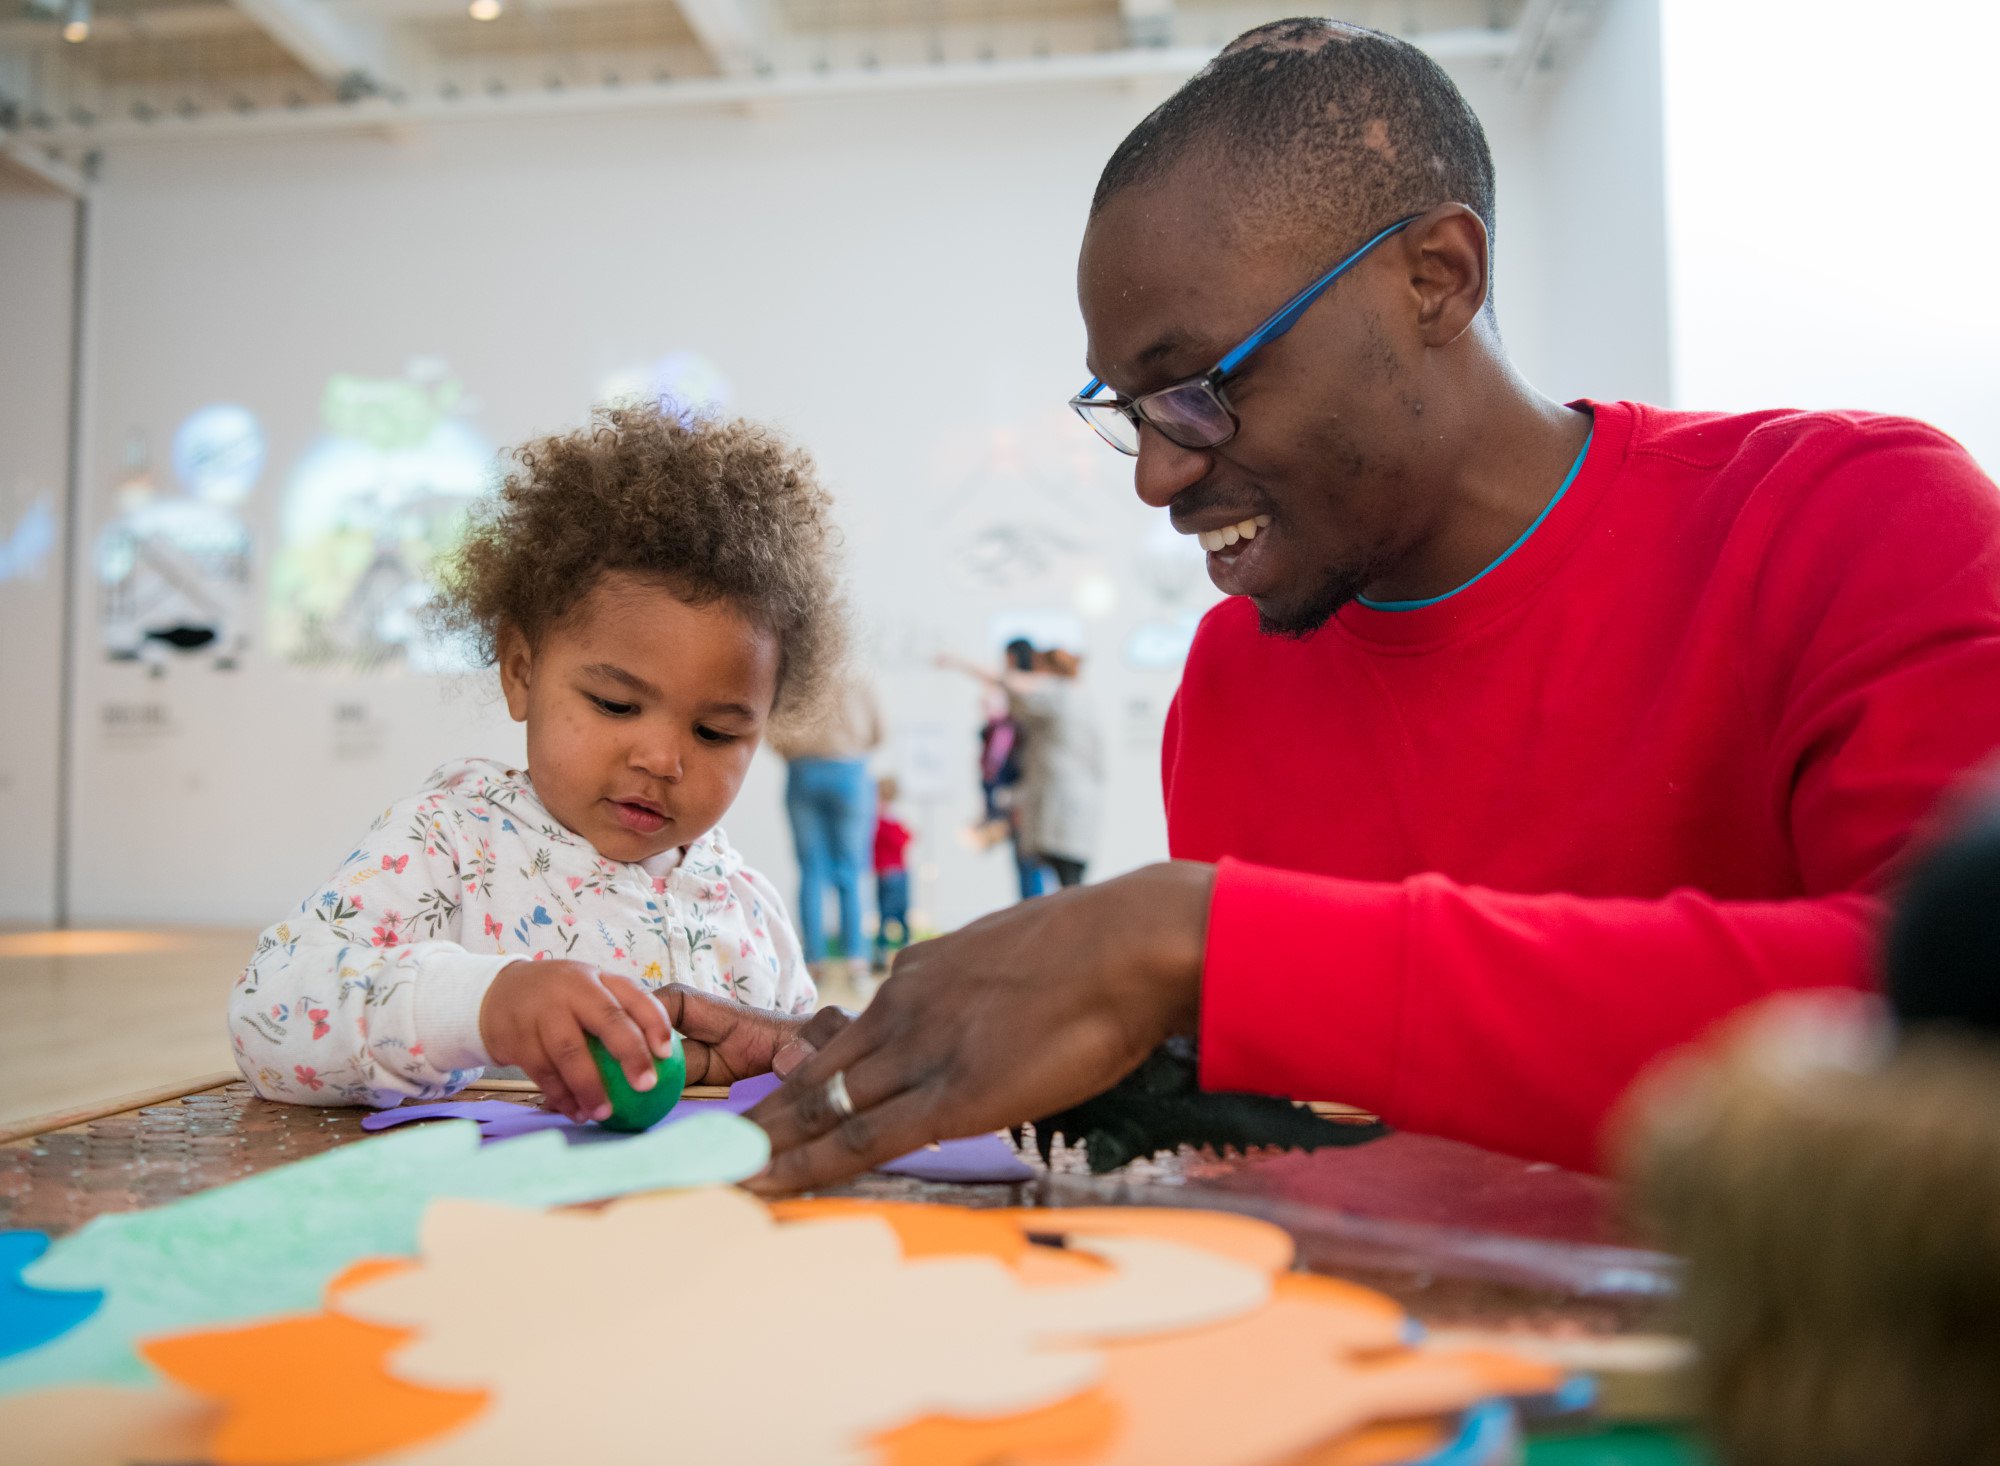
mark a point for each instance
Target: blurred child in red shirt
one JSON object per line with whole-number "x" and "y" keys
{"x": 892, "y": 876}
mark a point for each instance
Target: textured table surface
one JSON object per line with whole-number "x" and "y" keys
{"x": 1460, "y": 1236}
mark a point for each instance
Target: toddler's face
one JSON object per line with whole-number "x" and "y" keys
{"x": 643, "y": 713}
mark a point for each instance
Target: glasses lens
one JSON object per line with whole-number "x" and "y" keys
{"x": 1110, "y": 424}
{"x": 1191, "y": 414}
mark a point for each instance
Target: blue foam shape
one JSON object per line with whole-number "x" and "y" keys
{"x": 1486, "y": 1431}
{"x": 30, "y": 1316}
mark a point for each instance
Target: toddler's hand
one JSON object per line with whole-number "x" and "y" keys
{"x": 537, "y": 1013}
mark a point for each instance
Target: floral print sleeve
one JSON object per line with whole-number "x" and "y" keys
{"x": 369, "y": 993}
{"x": 794, "y": 991}
{"x": 331, "y": 1008}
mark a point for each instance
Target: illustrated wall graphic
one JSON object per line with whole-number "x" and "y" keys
{"x": 174, "y": 569}
{"x": 1021, "y": 503}
{"x": 1171, "y": 567}
{"x": 685, "y": 382}
{"x": 369, "y": 508}
{"x": 27, "y": 534}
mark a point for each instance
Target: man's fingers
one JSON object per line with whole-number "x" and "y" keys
{"x": 562, "y": 1039}
{"x": 790, "y": 1057}
{"x": 645, "y": 1010}
{"x": 605, "y": 1016}
{"x": 823, "y": 1025}
{"x": 812, "y": 1073}
{"x": 817, "y": 1031}
{"x": 700, "y": 1016}
{"x": 871, "y": 1081}
{"x": 894, "y": 1128}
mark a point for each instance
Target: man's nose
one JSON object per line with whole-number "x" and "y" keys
{"x": 1164, "y": 468}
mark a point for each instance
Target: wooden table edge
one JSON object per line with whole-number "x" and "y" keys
{"x": 42, "y": 1124}
{"x": 33, "y": 1125}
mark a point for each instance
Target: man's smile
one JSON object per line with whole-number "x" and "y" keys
{"x": 1221, "y": 538}
{"x": 1237, "y": 552}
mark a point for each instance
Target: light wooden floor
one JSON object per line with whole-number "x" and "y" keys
{"x": 87, "y": 1016}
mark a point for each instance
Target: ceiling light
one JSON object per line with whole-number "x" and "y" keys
{"x": 485, "y": 9}
{"x": 76, "y": 21}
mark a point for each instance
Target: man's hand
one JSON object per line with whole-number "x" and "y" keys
{"x": 724, "y": 1041}
{"x": 537, "y": 1013}
{"x": 1020, "y": 1014}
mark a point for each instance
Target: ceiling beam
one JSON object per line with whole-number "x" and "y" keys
{"x": 1173, "y": 64}
{"x": 736, "y": 34}
{"x": 332, "y": 50}
{"x": 128, "y": 26}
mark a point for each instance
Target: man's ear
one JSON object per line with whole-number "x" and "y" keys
{"x": 517, "y": 665}
{"x": 1449, "y": 264}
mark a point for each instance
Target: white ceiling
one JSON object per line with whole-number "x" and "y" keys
{"x": 162, "y": 69}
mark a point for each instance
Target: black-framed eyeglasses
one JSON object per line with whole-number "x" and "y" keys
{"x": 1194, "y": 413}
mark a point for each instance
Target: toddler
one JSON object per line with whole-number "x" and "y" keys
{"x": 651, "y": 592}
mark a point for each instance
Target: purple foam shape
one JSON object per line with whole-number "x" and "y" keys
{"x": 497, "y": 1118}
{"x": 745, "y": 1093}
{"x": 975, "y": 1158}
{"x": 500, "y": 1119}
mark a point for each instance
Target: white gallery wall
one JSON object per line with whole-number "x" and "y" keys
{"x": 889, "y": 280}
{"x": 37, "y": 236}
{"x": 1830, "y": 189}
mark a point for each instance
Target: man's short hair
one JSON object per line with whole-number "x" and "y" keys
{"x": 1322, "y": 130}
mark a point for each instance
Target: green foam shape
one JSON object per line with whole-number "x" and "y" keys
{"x": 640, "y": 1109}
{"x": 271, "y": 1243}
{"x": 1621, "y": 1445}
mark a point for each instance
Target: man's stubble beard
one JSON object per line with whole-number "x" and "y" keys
{"x": 1337, "y": 587}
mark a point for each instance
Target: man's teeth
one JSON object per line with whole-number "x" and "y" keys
{"x": 1222, "y": 539}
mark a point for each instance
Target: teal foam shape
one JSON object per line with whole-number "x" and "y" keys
{"x": 270, "y": 1244}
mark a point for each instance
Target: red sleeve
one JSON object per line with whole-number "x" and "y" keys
{"x": 1515, "y": 1021}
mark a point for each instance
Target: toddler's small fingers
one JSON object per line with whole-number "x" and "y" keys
{"x": 555, "y": 1094}
{"x": 603, "y": 1014}
{"x": 646, "y": 1010}
{"x": 562, "y": 1038}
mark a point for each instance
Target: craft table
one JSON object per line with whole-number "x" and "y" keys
{"x": 1463, "y": 1238}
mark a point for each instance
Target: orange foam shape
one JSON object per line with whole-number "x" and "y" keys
{"x": 1073, "y": 1429}
{"x": 1289, "y": 1379}
{"x": 1396, "y": 1444}
{"x": 1247, "y": 1240}
{"x": 921, "y": 1230}
{"x": 924, "y": 1230}
{"x": 261, "y": 1373}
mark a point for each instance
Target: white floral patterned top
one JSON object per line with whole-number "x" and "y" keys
{"x": 369, "y": 993}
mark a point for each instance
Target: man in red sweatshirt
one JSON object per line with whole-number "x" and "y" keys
{"x": 1532, "y": 739}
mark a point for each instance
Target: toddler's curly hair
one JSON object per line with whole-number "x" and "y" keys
{"x": 717, "y": 510}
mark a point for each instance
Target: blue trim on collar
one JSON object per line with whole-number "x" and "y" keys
{"x": 1568, "y": 479}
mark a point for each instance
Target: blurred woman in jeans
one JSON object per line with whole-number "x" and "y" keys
{"x": 831, "y": 801}
{"x": 1061, "y": 791}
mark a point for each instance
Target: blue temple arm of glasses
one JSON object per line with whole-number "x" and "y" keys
{"x": 1288, "y": 314}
